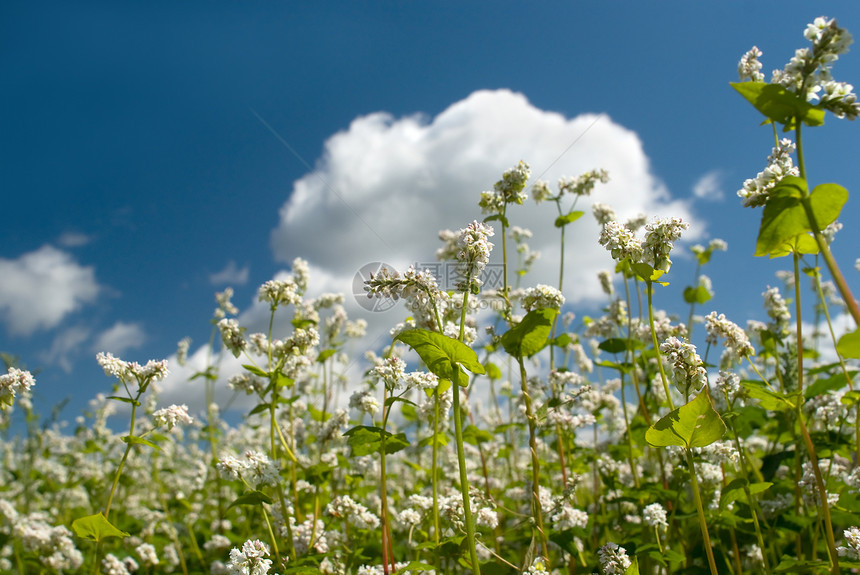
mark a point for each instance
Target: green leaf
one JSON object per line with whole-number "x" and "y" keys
{"x": 474, "y": 436}
{"x": 139, "y": 441}
{"x": 530, "y": 335}
{"x": 634, "y": 567}
{"x": 849, "y": 345}
{"x": 735, "y": 489}
{"x": 253, "y": 498}
{"x": 693, "y": 425}
{"x": 648, "y": 274}
{"x": 562, "y": 221}
{"x": 778, "y": 104}
{"x": 562, "y": 340}
{"x": 365, "y": 440}
{"x": 255, "y": 370}
{"x": 619, "y": 344}
{"x": 698, "y": 295}
{"x": 767, "y": 398}
{"x": 125, "y": 400}
{"x": 96, "y": 528}
{"x": 851, "y": 398}
{"x": 784, "y": 217}
{"x": 493, "y": 371}
{"x": 325, "y": 354}
{"x": 498, "y": 217}
{"x": 442, "y": 354}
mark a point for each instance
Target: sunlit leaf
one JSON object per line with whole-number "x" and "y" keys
{"x": 562, "y": 221}
{"x": 530, "y": 335}
{"x": 695, "y": 424}
{"x": 441, "y": 354}
{"x": 253, "y": 498}
{"x": 849, "y": 345}
{"x": 96, "y": 528}
{"x": 365, "y": 440}
{"x": 778, "y": 104}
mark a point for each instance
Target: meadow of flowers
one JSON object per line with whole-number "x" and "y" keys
{"x": 488, "y": 435}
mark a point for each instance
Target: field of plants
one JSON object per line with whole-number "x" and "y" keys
{"x": 488, "y": 435}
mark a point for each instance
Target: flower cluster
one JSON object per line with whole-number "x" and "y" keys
{"x": 613, "y": 559}
{"x": 688, "y": 368}
{"x": 129, "y": 372}
{"x": 749, "y": 68}
{"x": 852, "y": 538}
{"x": 250, "y": 560}
{"x": 655, "y": 516}
{"x": 474, "y": 250}
{"x": 542, "y": 297}
{"x": 621, "y": 242}
{"x": 255, "y": 467}
{"x": 583, "y": 184}
{"x": 14, "y": 382}
{"x": 659, "y": 236}
{"x": 170, "y": 416}
{"x": 508, "y": 190}
{"x": 755, "y": 191}
{"x": 737, "y": 341}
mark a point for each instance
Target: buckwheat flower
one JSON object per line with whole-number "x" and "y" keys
{"x": 111, "y": 565}
{"x": 602, "y": 213}
{"x": 225, "y": 306}
{"x": 605, "y": 279}
{"x": 620, "y": 242}
{"x": 569, "y": 517}
{"x": 365, "y": 401}
{"x": 279, "y": 292}
{"x": 147, "y": 554}
{"x": 637, "y": 222}
{"x": 839, "y": 98}
{"x": 659, "y": 236}
{"x": 250, "y": 560}
{"x": 718, "y": 327}
{"x": 749, "y": 68}
{"x": 474, "y": 250}
{"x": 172, "y": 415}
{"x": 13, "y": 382}
{"x": 246, "y": 383}
{"x": 542, "y": 297}
{"x": 613, "y": 559}
{"x": 829, "y": 232}
{"x": 391, "y": 371}
{"x": 755, "y": 191}
{"x": 655, "y": 516}
{"x": 343, "y": 507}
{"x": 182, "y": 350}
{"x": 583, "y": 184}
{"x": 422, "y": 380}
{"x": 513, "y": 183}
{"x": 776, "y": 308}
{"x": 233, "y": 336}
{"x": 541, "y": 192}
{"x": 538, "y": 566}
{"x": 356, "y": 329}
{"x": 301, "y": 273}
{"x": 852, "y": 538}
{"x": 688, "y": 368}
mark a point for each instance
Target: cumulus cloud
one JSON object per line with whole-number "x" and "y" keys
{"x": 710, "y": 186}
{"x": 385, "y": 187}
{"x": 120, "y": 338}
{"x": 39, "y": 289}
{"x": 231, "y": 274}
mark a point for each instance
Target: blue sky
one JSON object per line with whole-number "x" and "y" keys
{"x": 154, "y": 154}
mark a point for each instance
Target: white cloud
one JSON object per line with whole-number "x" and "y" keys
{"x": 386, "y": 186}
{"x": 231, "y": 274}
{"x": 39, "y": 289}
{"x": 710, "y": 186}
{"x": 120, "y": 338}
{"x": 66, "y": 346}
{"x": 73, "y": 239}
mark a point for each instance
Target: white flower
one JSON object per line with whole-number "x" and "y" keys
{"x": 172, "y": 415}
{"x": 250, "y": 559}
{"x": 542, "y": 297}
{"x": 655, "y": 516}
{"x": 14, "y": 382}
{"x": 613, "y": 559}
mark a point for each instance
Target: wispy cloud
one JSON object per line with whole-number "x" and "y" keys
{"x": 710, "y": 187}
{"x": 231, "y": 274}
{"x": 120, "y": 338}
{"x": 73, "y": 239}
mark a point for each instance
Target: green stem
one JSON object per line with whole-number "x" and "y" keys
{"x": 697, "y": 497}
{"x": 530, "y": 417}
{"x": 458, "y": 428}
{"x": 649, "y": 287}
